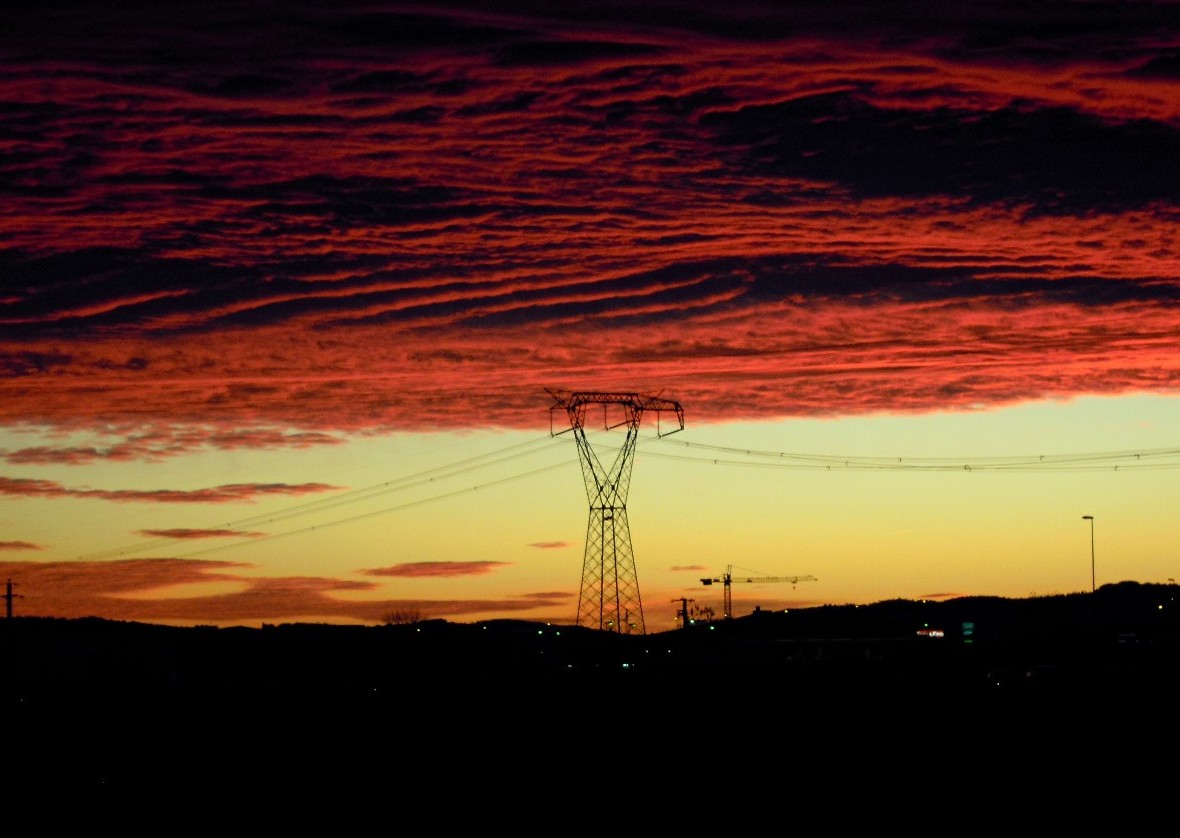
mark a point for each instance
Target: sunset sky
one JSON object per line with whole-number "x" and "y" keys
{"x": 283, "y": 286}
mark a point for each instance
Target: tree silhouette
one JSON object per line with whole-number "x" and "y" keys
{"x": 402, "y": 617}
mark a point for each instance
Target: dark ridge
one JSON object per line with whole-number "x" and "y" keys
{"x": 1122, "y": 634}
{"x": 99, "y": 702}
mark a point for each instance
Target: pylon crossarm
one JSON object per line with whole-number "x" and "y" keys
{"x": 660, "y": 432}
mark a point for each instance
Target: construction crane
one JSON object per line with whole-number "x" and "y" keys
{"x": 728, "y": 580}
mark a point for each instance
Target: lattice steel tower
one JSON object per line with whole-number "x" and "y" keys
{"x": 610, "y": 587}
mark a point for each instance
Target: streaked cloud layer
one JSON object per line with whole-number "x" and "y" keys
{"x": 137, "y": 589}
{"x": 407, "y": 216}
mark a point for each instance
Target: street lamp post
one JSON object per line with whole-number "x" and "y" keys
{"x": 1090, "y": 518}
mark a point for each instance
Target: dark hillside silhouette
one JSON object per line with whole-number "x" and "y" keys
{"x": 96, "y": 701}
{"x": 1125, "y": 633}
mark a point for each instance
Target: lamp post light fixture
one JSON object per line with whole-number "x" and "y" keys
{"x": 1090, "y": 518}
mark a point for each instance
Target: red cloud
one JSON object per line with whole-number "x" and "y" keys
{"x": 168, "y": 442}
{"x": 550, "y": 545}
{"x": 707, "y": 256}
{"x": 44, "y": 455}
{"x": 19, "y": 545}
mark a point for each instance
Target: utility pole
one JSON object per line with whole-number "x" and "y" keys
{"x": 1093, "y": 578}
{"x": 9, "y": 596}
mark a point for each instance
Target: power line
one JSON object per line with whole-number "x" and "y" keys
{"x": 374, "y": 513}
{"x": 1152, "y": 459}
{"x": 419, "y": 479}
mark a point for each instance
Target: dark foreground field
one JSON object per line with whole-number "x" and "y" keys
{"x": 126, "y": 704}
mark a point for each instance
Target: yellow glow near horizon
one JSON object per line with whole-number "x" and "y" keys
{"x": 697, "y": 504}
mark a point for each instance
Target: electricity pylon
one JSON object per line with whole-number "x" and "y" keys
{"x": 609, "y": 599}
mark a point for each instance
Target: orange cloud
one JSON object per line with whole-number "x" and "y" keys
{"x": 181, "y": 533}
{"x": 231, "y": 493}
{"x": 123, "y": 590}
{"x": 430, "y": 569}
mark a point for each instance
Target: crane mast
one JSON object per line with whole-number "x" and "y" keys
{"x": 728, "y": 579}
